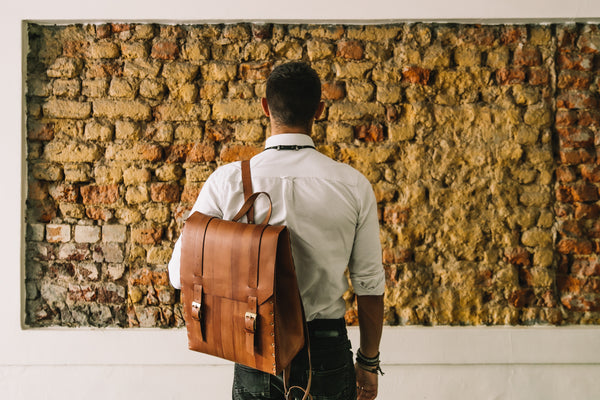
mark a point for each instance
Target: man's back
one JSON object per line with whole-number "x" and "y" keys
{"x": 329, "y": 209}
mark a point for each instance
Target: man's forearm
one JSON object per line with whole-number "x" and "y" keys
{"x": 370, "y": 320}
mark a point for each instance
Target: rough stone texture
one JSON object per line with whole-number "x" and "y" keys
{"x": 55, "y": 108}
{"x": 577, "y": 187}
{"x": 114, "y": 233}
{"x": 482, "y": 144}
{"x": 117, "y": 109}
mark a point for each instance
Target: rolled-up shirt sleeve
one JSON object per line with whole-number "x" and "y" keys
{"x": 366, "y": 268}
{"x": 206, "y": 203}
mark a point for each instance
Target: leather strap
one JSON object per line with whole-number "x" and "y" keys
{"x": 197, "y": 308}
{"x": 248, "y": 210}
{"x": 286, "y": 372}
{"x": 247, "y": 185}
{"x": 253, "y": 263}
{"x": 250, "y": 323}
{"x": 198, "y": 251}
{"x": 197, "y": 257}
{"x": 249, "y": 204}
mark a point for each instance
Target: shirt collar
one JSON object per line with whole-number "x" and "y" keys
{"x": 286, "y": 139}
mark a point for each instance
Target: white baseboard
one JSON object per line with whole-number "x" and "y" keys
{"x": 400, "y": 346}
{"x": 420, "y": 363}
{"x": 188, "y": 382}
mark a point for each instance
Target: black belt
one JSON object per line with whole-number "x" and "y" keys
{"x": 327, "y": 327}
{"x": 289, "y": 147}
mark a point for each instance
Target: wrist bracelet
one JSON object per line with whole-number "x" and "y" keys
{"x": 367, "y": 360}
{"x": 368, "y": 364}
{"x": 373, "y": 370}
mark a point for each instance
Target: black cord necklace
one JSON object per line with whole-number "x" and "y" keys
{"x": 289, "y": 147}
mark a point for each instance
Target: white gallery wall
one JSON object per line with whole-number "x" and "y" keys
{"x": 420, "y": 362}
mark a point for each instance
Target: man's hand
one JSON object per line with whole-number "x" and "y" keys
{"x": 366, "y": 384}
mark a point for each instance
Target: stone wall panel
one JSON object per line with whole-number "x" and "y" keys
{"x": 481, "y": 142}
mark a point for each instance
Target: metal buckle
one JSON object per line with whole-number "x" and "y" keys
{"x": 197, "y": 309}
{"x": 252, "y": 316}
{"x": 288, "y": 147}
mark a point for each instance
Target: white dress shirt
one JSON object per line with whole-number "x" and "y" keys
{"x": 329, "y": 209}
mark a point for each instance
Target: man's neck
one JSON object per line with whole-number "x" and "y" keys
{"x": 281, "y": 129}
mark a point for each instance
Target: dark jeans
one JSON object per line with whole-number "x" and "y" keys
{"x": 333, "y": 376}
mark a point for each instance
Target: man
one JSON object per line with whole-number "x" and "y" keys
{"x": 330, "y": 211}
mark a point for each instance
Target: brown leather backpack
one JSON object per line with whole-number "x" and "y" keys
{"x": 240, "y": 293}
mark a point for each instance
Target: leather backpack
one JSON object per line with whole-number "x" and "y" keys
{"x": 240, "y": 294}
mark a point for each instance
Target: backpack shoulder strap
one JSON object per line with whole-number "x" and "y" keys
{"x": 247, "y": 185}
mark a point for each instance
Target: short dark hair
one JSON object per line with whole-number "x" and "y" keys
{"x": 293, "y": 93}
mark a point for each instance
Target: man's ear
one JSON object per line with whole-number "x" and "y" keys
{"x": 320, "y": 109}
{"x": 265, "y": 106}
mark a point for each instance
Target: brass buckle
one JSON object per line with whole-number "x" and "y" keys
{"x": 197, "y": 309}
{"x": 252, "y": 316}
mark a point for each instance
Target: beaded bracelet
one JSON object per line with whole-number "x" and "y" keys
{"x": 368, "y": 364}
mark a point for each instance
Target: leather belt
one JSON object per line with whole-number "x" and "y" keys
{"x": 323, "y": 328}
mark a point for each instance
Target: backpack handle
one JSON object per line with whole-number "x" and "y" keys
{"x": 248, "y": 205}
